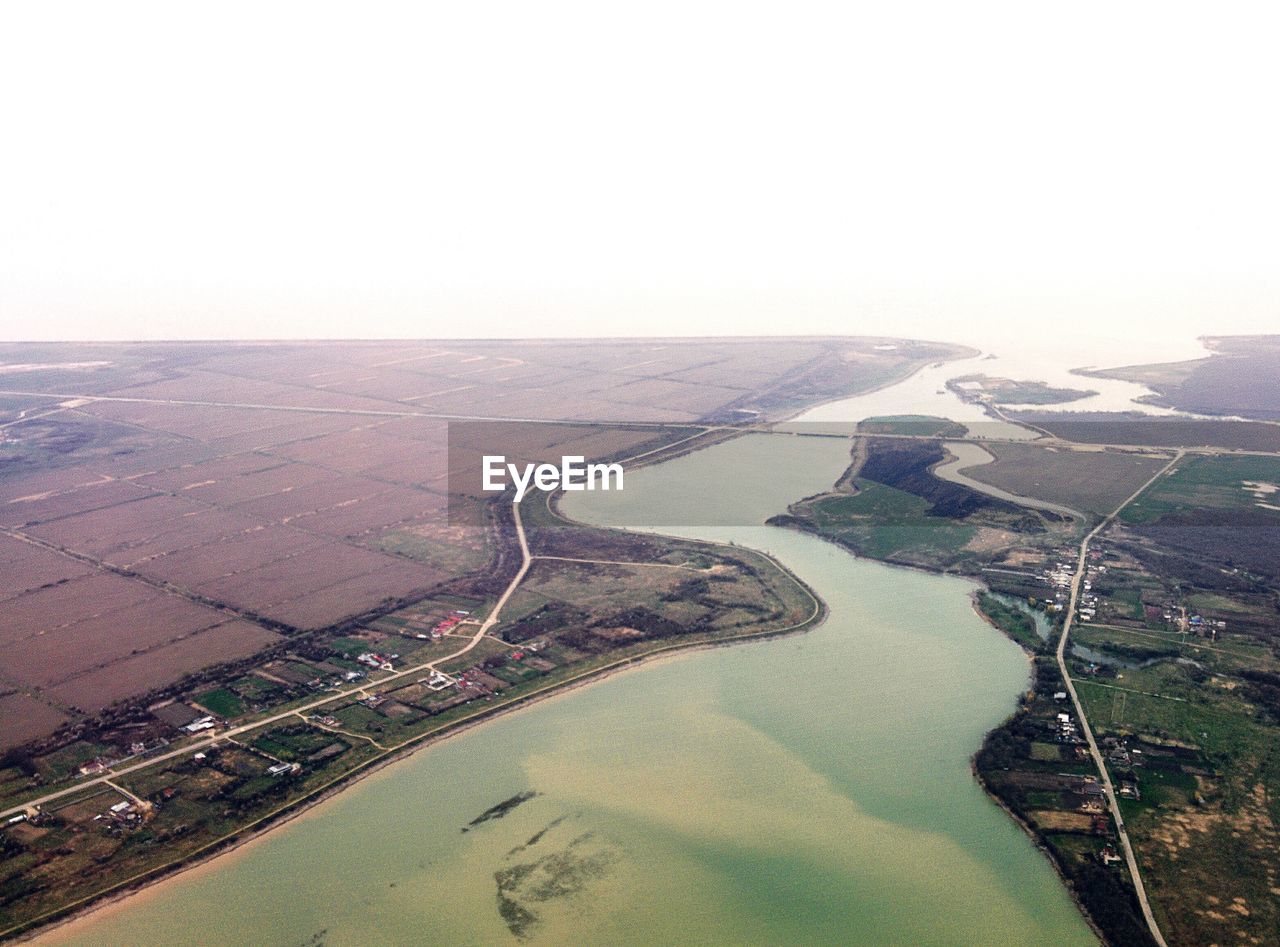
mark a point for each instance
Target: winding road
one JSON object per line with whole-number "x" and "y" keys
{"x": 494, "y": 616}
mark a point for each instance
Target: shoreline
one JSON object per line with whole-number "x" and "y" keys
{"x": 1030, "y": 831}
{"x": 151, "y": 882}
{"x": 254, "y": 833}
{"x": 114, "y": 897}
{"x": 240, "y": 841}
{"x": 1033, "y": 834}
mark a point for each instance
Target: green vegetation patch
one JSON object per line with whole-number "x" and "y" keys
{"x": 1219, "y": 483}
{"x": 1012, "y": 620}
{"x": 918, "y": 425}
{"x": 1044, "y": 753}
{"x": 221, "y": 701}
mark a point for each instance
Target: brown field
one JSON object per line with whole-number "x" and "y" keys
{"x": 225, "y": 554}
{"x": 45, "y": 611}
{"x": 1091, "y": 481}
{"x": 1136, "y": 429}
{"x": 46, "y": 659}
{"x": 1057, "y": 820}
{"x": 24, "y": 567}
{"x": 115, "y": 528}
{"x": 89, "y": 496}
{"x": 301, "y": 483}
{"x": 26, "y": 487}
{"x": 153, "y": 669}
{"x": 221, "y": 488}
{"x": 24, "y": 718}
{"x": 221, "y": 470}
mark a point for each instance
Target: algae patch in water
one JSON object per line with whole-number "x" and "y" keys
{"x": 537, "y": 836}
{"x": 556, "y": 876}
{"x": 501, "y": 809}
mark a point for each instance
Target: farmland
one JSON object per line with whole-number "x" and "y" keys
{"x": 1175, "y": 654}
{"x": 176, "y": 507}
{"x": 1092, "y": 481}
{"x": 1176, "y": 664}
{"x": 287, "y": 544}
{"x": 202, "y": 536}
{"x": 1217, "y": 512}
{"x": 1084, "y": 427}
{"x": 568, "y": 621}
{"x": 890, "y": 506}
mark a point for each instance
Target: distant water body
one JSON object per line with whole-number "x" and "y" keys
{"x": 1030, "y": 355}
{"x": 808, "y": 789}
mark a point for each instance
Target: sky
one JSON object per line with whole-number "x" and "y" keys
{"x": 271, "y": 170}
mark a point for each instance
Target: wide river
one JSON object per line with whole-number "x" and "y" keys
{"x": 813, "y": 788}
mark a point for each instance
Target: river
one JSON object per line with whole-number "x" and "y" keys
{"x": 814, "y": 788}
{"x": 1025, "y": 353}
{"x": 967, "y": 455}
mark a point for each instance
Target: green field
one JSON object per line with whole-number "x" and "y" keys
{"x": 882, "y": 521}
{"x": 1207, "y": 483}
{"x": 918, "y": 425}
{"x": 1013, "y": 620}
{"x": 223, "y": 702}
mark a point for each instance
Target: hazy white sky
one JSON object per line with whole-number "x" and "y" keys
{"x": 462, "y": 169}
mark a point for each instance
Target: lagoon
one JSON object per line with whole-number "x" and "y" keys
{"x": 808, "y": 789}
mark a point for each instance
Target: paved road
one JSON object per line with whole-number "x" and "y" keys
{"x": 493, "y": 618}
{"x": 1112, "y": 803}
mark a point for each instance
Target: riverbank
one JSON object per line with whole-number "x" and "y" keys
{"x": 832, "y": 765}
{"x": 216, "y": 857}
{"x": 913, "y": 653}
{"x": 1105, "y": 899}
{"x": 953, "y": 466}
{"x": 154, "y": 879}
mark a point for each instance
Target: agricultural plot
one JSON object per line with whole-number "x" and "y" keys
{"x": 235, "y": 529}
{"x": 1205, "y": 820}
{"x": 1218, "y": 510}
{"x": 895, "y": 509}
{"x": 1233, "y": 485}
{"x": 449, "y": 546}
{"x": 24, "y": 718}
{"x": 162, "y": 666}
{"x": 1178, "y": 675}
{"x": 1092, "y": 481}
{"x": 1141, "y": 430}
{"x": 26, "y": 568}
